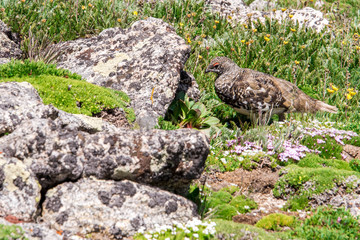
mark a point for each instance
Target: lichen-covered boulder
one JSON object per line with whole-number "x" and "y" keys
{"x": 58, "y": 146}
{"x": 240, "y": 13}
{"x": 9, "y": 44}
{"x": 166, "y": 159}
{"x": 144, "y": 61}
{"x": 19, "y": 190}
{"x": 116, "y": 209}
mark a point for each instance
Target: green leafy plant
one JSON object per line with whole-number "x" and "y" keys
{"x": 190, "y": 114}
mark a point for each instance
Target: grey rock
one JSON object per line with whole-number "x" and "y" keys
{"x": 40, "y": 231}
{"x": 19, "y": 190}
{"x": 262, "y": 5}
{"x": 9, "y": 44}
{"x": 59, "y": 146}
{"x": 20, "y": 101}
{"x": 166, "y": 159}
{"x": 241, "y": 14}
{"x": 117, "y": 209}
{"x": 144, "y": 61}
{"x": 189, "y": 86}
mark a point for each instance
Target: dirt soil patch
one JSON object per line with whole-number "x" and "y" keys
{"x": 261, "y": 180}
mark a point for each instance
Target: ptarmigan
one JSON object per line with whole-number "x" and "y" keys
{"x": 253, "y": 93}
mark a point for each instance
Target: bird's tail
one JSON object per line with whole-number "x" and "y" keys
{"x": 321, "y": 106}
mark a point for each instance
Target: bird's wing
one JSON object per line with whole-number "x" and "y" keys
{"x": 257, "y": 91}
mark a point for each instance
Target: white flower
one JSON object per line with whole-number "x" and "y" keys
{"x": 246, "y": 207}
{"x": 196, "y": 235}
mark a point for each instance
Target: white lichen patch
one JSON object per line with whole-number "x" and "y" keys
{"x": 12, "y": 171}
{"x": 105, "y": 68}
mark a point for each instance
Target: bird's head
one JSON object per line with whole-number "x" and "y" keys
{"x": 220, "y": 65}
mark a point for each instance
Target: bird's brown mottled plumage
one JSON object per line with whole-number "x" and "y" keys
{"x": 251, "y": 92}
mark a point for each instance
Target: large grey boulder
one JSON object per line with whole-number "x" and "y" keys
{"x": 144, "y": 61}
{"x": 43, "y": 149}
{"x": 9, "y": 44}
{"x": 116, "y": 209}
{"x": 240, "y": 13}
{"x": 59, "y": 147}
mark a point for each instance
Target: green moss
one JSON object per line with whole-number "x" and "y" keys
{"x": 223, "y": 211}
{"x": 318, "y": 181}
{"x": 232, "y": 230}
{"x": 355, "y": 141}
{"x": 231, "y": 189}
{"x": 315, "y": 161}
{"x": 82, "y": 98}
{"x": 330, "y": 149}
{"x": 11, "y": 232}
{"x": 30, "y": 68}
{"x": 218, "y": 198}
{"x": 355, "y": 164}
{"x": 275, "y": 221}
{"x": 243, "y": 204}
{"x": 328, "y": 223}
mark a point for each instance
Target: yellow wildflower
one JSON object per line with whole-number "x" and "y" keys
{"x": 90, "y": 5}
{"x": 266, "y": 38}
{"x": 283, "y": 9}
{"x": 216, "y": 21}
{"x": 291, "y": 16}
{"x": 356, "y": 36}
{"x": 293, "y": 29}
{"x": 286, "y": 42}
{"x": 333, "y": 87}
{"x": 188, "y": 15}
{"x": 43, "y": 20}
{"x": 348, "y": 96}
{"x": 23, "y": 1}
{"x": 343, "y": 43}
{"x": 188, "y": 40}
{"x": 119, "y": 19}
{"x": 181, "y": 24}
{"x": 229, "y": 17}
{"x": 357, "y": 47}
{"x": 232, "y": 49}
{"x": 199, "y": 42}
{"x": 268, "y": 35}
{"x": 135, "y": 13}
{"x": 245, "y": 26}
{"x": 330, "y": 90}
{"x": 214, "y": 27}
{"x": 203, "y": 35}
{"x": 243, "y": 41}
{"x": 83, "y": 7}
{"x": 303, "y": 46}
{"x": 352, "y": 93}
{"x": 350, "y": 89}
{"x": 274, "y": 10}
{"x": 193, "y": 14}
{"x": 200, "y": 57}
{"x": 247, "y": 43}
{"x": 297, "y": 62}
{"x": 251, "y": 41}
{"x": 249, "y": 14}
{"x": 254, "y": 30}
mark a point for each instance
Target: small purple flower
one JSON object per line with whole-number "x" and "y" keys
{"x": 320, "y": 141}
{"x": 339, "y": 219}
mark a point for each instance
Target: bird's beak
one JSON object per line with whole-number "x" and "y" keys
{"x": 207, "y": 70}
